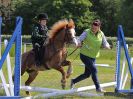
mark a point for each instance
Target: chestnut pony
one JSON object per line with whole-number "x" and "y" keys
{"x": 61, "y": 33}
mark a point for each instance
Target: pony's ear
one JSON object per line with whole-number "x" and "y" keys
{"x": 70, "y": 20}
{"x": 67, "y": 26}
{"x": 71, "y": 24}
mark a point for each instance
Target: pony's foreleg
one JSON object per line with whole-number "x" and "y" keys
{"x": 63, "y": 80}
{"x": 70, "y": 68}
{"x": 32, "y": 76}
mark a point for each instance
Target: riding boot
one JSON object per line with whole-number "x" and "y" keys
{"x": 42, "y": 51}
{"x": 40, "y": 55}
{"x": 37, "y": 56}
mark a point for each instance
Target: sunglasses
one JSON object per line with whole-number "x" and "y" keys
{"x": 95, "y": 24}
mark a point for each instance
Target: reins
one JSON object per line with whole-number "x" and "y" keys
{"x": 72, "y": 51}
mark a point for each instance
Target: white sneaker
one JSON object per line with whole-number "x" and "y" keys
{"x": 72, "y": 84}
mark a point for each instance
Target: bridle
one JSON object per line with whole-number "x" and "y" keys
{"x": 66, "y": 39}
{"x": 67, "y": 33}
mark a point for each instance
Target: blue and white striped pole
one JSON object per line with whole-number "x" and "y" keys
{"x": 118, "y": 62}
{"x": 0, "y": 34}
{"x": 18, "y": 58}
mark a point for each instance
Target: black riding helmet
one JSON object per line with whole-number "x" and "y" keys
{"x": 42, "y": 16}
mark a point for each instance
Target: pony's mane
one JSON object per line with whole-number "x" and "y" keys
{"x": 59, "y": 25}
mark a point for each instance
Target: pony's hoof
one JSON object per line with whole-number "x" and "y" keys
{"x": 28, "y": 93}
{"x": 63, "y": 86}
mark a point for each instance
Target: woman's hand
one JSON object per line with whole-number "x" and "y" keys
{"x": 79, "y": 45}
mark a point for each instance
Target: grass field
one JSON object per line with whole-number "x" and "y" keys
{"x": 51, "y": 78}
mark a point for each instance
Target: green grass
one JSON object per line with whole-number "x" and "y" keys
{"x": 51, "y": 78}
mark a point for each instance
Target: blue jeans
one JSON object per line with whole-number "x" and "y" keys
{"x": 90, "y": 69}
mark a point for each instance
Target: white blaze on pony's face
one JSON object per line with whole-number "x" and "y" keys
{"x": 73, "y": 33}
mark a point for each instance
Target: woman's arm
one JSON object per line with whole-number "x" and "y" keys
{"x": 105, "y": 43}
{"x": 82, "y": 36}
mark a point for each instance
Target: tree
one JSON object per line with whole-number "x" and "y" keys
{"x": 28, "y": 10}
{"x": 126, "y": 17}
{"x": 6, "y": 13}
{"x": 107, "y": 11}
{"x": 78, "y": 10}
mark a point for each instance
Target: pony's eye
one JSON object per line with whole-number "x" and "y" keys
{"x": 69, "y": 31}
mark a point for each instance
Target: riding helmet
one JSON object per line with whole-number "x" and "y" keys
{"x": 42, "y": 16}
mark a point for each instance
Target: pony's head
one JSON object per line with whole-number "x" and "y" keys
{"x": 67, "y": 27}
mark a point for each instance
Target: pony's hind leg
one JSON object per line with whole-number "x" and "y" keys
{"x": 23, "y": 69}
{"x": 63, "y": 80}
{"x": 32, "y": 76}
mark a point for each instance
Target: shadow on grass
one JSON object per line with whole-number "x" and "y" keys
{"x": 119, "y": 95}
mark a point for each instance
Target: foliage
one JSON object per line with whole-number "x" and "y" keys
{"x": 126, "y": 14}
{"x": 78, "y": 10}
{"x": 107, "y": 11}
{"x": 111, "y": 12}
{"x": 6, "y": 12}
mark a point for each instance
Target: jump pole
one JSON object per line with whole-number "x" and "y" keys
{"x": 126, "y": 76}
{"x": 9, "y": 70}
{"x": 55, "y": 92}
{"x": 72, "y": 91}
{"x": 123, "y": 68}
{"x": 1, "y": 72}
